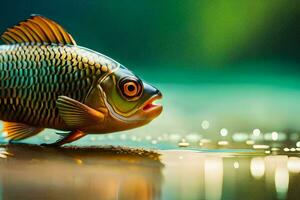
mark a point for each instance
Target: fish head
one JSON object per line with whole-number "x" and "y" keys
{"x": 129, "y": 100}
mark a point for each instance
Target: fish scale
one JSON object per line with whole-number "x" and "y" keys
{"x": 33, "y": 76}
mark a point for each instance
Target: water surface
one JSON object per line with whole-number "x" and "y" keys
{"x": 34, "y": 172}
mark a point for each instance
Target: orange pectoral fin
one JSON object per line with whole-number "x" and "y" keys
{"x": 70, "y": 137}
{"x": 77, "y": 114}
{"x": 18, "y": 131}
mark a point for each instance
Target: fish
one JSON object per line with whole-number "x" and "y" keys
{"x": 48, "y": 81}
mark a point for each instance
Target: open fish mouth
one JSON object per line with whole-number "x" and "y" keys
{"x": 151, "y": 106}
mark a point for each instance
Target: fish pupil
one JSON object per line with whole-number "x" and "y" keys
{"x": 131, "y": 88}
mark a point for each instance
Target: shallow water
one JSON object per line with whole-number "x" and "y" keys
{"x": 34, "y": 172}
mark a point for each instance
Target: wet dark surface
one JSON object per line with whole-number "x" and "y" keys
{"x": 34, "y": 172}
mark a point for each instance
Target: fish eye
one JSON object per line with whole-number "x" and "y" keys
{"x": 130, "y": 87}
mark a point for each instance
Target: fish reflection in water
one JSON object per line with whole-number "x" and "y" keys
{"x": 34, "y": 172}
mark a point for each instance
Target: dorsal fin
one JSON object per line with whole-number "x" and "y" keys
{"x": 37, "y": 29}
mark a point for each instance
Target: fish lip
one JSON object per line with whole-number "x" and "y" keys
{"x": 149, "y": 107}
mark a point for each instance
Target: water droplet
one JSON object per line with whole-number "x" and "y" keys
{"x": 274, "y": 136}
{"x": 205, "y": 124}
{"x": 223, "y": 132}
{"x": 293, "y": 149}
{"x": 223, "y": 143}
{"x": 260, "y": 146}
{"x": 256, "y": 132}
{"x": 286, "y": 149}
{"x": 183, "y": 143}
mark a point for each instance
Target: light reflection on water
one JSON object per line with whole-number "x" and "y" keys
{"x": 33, "y": 172}
{"x": 219, "y": 176}
{"x": 257, "y": 167}
{"x": 213, "y": 173}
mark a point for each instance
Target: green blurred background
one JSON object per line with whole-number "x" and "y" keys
{"x": 232, "y": 63}
{"x": 218, "y": 36}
